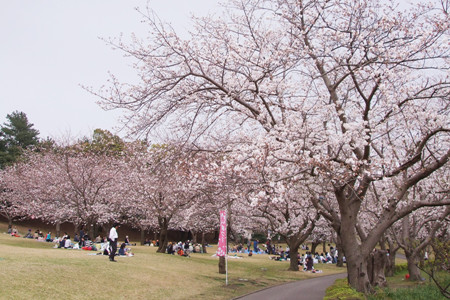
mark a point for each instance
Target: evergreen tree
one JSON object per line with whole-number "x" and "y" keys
{"x": 16, "y": 135}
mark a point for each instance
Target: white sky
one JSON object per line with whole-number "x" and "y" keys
{"x": 49, "y": 47}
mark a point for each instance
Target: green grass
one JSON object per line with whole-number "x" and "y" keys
{"x": 35, "y": 270}
{"x": 417, "y": 292}
{"x": 398, "y": 289}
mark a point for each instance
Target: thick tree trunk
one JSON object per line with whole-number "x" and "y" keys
{"x": 293, "y": 254}
{"x": 222, "y": 268}
{"x": 376, "y": 267}
{"x": 324, "y": 247}
{"x": 357, "y": 273}
{"x": 413, "y": 270}
{"x": 356, "y": 260}
{"x": 164, "y": 226}
{"x": 162, "y": 241}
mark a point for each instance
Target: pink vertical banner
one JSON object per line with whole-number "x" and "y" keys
{"x": 222, "y": 247}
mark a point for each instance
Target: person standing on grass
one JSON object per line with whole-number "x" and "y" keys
{"x": 113, "y": 237}
{"x": 255, "y": 246}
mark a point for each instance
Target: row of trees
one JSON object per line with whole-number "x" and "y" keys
{"x": 299, "y": 113}
{"x": 94, "y": 182}
{"x": 345, "y": 100}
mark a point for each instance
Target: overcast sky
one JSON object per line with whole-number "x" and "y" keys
{"x": 48, "y": 48}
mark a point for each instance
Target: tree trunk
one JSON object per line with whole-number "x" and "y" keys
{"x": 376, "y": 267}
{"x": 58, "y": 229}
{"x": 76, "y": 228}
{"x": 203, "y": 243}
{"x": 91, "y": 231}
{"x": 314, "y": 246}
{"x": 324, "y": 247}
{"x": 340, "y": 250}
{"x": 164, "y": 226}
{"x": 162, "y": 241}
{"x": 355, "y": 258}
{"x": 293, "y": 254}
{"x": 413, "y": 270}
{"x": 357, "y": 273}
{"x": 222, "y": 267}
{"x": 390, "y": 264}
{"x": 194, "y": 236}
{"x": 142, "y": 235}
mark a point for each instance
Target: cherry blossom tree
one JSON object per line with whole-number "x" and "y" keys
{"x": 68, "y": 185}
{"x": 354, "y": 92}
{"x": 415, "y": 232}
{"x": 278, "y": 198}
{"x": 162, "y": 183}
{"x": 9, "y": 206}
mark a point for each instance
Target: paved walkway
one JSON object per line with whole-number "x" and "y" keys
{"x": 308, "y": 289}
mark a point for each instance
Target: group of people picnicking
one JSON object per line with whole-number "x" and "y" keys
{"x": 108, "y": 246}
{"x": 305, "y": 261}
{"x": 183, "y": 249}
{"x": 105, "y": 245}
{"x": 38, "y": 234}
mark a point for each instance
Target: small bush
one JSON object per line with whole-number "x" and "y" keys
{"x": 342, "y": 291}
{"x": 400, "y": 268}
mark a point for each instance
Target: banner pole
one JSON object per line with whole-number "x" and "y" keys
{"x": 226, "y": 267}
{"x": 222, "y": 249}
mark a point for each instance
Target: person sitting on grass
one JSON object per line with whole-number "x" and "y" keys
{"x": 127, "y": 242}
{"x": 68, "y": 243}
{"x": 170, "y": 249}
{"x": 125, "y": 251}
{"x": 98, "y": 239}
{"x": 62, "y": 242}
{"x": 14, "y": 232}
{"x": 181, "y": 252}
{"x": 29, "y": 235}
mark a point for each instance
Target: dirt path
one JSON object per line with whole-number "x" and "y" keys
{"x": 308, "y": 289}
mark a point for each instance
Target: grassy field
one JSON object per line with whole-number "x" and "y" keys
{"x": 35, "y": 270}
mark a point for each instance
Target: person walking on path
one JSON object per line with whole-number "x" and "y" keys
{"x": 113, "y": 237}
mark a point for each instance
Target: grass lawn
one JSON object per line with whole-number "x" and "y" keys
{"x": 35, "y": 270}
{"x": 400, "y": 288}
